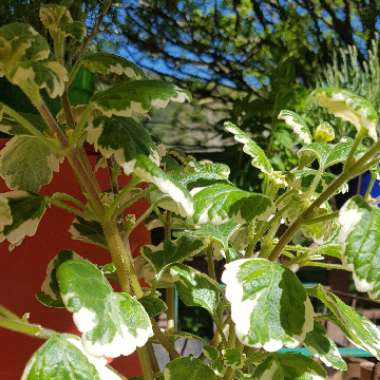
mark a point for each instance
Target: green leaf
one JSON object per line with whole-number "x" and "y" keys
{"x": 112, "y": 324}
{"x": 259, "y": 159}
{"x": 269, "y": 304}
{"x": 289, "y": 366}
{"x": 148, "y": 171}
{"x": 58, "y": 21}
{"x": 26, "y": 211}
{"x": 27, "y": 164}
{"x": 169, "y": 252}
{"x": 88, "y": 231}
{"x": 349, "y": 107}
{"x": 188, "y": 368}
{"x": 219, "y": 202}
{"x": 218, "y": 235}
{"x": 122, "y": 138}
{"x": 297, "y": 124}
{"x": 358, "y": 329}
{"x": 49, "y": 294}
{"x": 359, "y": 238}
{"x": 326, "y": 154}
{"x": 324, "y": 348}
{"x": 63, "y": 357}
{"x": 153, "y": 305}
{"x": 108, "y": 64}
{"x": 137, "y": 97}
{"x": 201, "y": 173}
{"x": 197, "y": 289}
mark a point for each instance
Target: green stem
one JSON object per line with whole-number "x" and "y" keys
{"x": 26, "y": 328}
{"x": 324, "y": 265}
{"x": 165, "y": 342}
{"x": 4, "y": 312}
{"x": 69, "y": 198}
{"x": 141, "y": 219}
{"x": 372, "y": 181}
{"x": 210, "y": 263}
{"x": 122, "y": 258}
{"x": 169, "y": 297}
{"x": 358, "y": 139}
{"x": 65, "y": 206}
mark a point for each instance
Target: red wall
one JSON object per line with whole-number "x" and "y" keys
{"x": 23, "y": 271}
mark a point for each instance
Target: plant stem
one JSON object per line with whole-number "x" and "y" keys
{"x": 348, "y": 173}
{"x": 26, "y": 328}
{"x": 169, "y": 298}
{"x": 210, "y": 263}
{"x": 65, "y": 206}
{"x": 372, "y": 181}
{"x": 165, "y": 342}
{"x": 4, "y": 312}
{"x": 324, "y": 265}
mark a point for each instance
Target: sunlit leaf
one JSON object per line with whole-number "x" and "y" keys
{"x": 112, "y": 324}
{"x": 220, "y": 202}
{"x": 137, "y": 97}
{"x": 105, "y": 64}
{"x": 297, "y": 124}
{"x": 359, "y": 238}
{"x": 348, "y": 106}
{"x": 269, "y": 305}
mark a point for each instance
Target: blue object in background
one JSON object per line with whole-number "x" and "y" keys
{"x": 375, "y": 192}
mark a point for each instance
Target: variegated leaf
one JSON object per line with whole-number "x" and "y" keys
{"x": 122, "y": 138}
{"x": 269, "y": 305}
{"x": 358, "y": 329}
{"x": 297, "y": 124}
{"x": 137, "y": 97}
{"x": 19, "y": 43}
{"x": 63, "y": 357}
{"x": 143, "y": 167}
{"x": 107, "y": 64}
{"x": 27, "y": 163}
{"x": 289, "y": 366}
{"x": 21, "y": 213}
{"x": 348, "y": 106}
{"x": 11, "y": 127}
{"x": 88, "y": 231}
{"x": 169, "y": 252}
{"x": 33, "y": 77}
{"x": 250, "y": 147}
{"x": 220, "y": 202}
{"x": 49, "y": 294}
{"x": 324, "y": 348}
{"x": 197, "y": 289}
{"x": 112, "y": 324}
{"x": 326, "y": 154}
{"x": 359, "y": 238}
{"x": 57, "y": 19}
